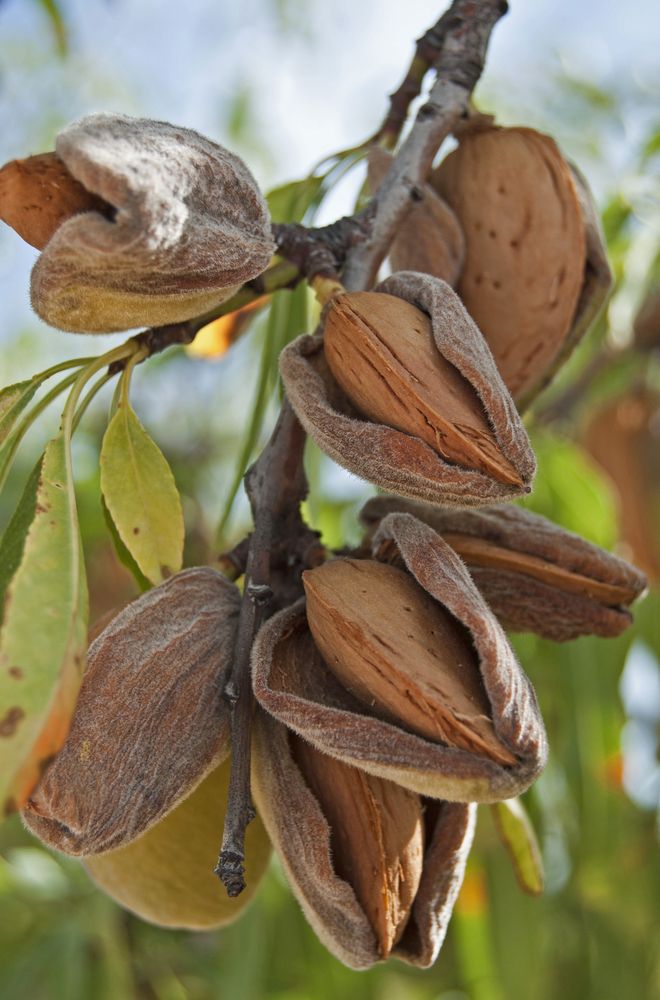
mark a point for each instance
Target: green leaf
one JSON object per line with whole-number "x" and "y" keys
{"x": 289, "y": 202}
{"x": 13, "y": 400}
{"x": 52, "y": 11}
{"x": 287, "y": 318}
{"x": 124, "y": 556}
{"x": 43, "y": 637}
{"x": 12, "y": 543}
{"x": 141, "y": 496}
{"x": 517, "y": 834}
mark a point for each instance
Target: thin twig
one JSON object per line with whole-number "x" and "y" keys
{"x": 466, "y": 31}
{"x": 276, "y": 485}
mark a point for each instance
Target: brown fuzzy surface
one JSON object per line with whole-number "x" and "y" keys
{"x": 522, "y": 603}
{"x": 191, "y": 225}
{"x": 394, "y": 460}
{"x": 150, "y": 721}
{"x": 292, "y": 682}
{"x": 299, "y": 832}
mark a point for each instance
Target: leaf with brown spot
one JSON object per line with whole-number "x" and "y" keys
{"x": 42, "y": 642}
{"x": 141, "y": 496}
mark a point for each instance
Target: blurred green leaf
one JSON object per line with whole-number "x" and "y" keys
{"x": 13, "y": 400}
{"x": 53, "y": 12}
{"x": 140, "y": 493}
{"x": 517, "y": 834}
{"x": 290, "y": 202}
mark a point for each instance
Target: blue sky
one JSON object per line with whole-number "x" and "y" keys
{"x": 313, "y": 90}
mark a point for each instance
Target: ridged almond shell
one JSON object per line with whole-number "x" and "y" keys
{"x": 401, "y": 653}
{"x": 376, "y": 835}
{"x": 520, "y": 206}
{"x": 302, "y": 836}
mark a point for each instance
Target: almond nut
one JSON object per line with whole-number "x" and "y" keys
{"x": 526, "y": 246}
{"x": 150, "y": 721}
{"x": 430, "y": 238}
{"x": 38, "y": 194}
{"x": 381, "y": 351}
{"x": 377, "y": 838}
{"x": 400, "y": 652}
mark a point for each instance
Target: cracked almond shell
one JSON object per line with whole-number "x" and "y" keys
{"x": 302, "y": 837}
{"x": 188, "y": 227}
{"x": 484, "y": 430}
{"x": 293, "y": 683}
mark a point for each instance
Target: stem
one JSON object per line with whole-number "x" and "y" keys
{"x": 276, "y": 483}
{"x": 466, "y": 29}
{"x": 276, "y": 486}
{"x": 109, "y": 359}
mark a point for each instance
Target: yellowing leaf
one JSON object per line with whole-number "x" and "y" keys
{"x": 43, "y": 636}
{"x": 517, "y": 834}
{"x": 141, "y": 496}
{"x": 215, "y": 339}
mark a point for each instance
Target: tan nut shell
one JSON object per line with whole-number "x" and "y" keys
{"x": 392, "y": 459}
{"x": 292, "y": 682}
{"x": 38, "y": 194}
{"x": 166, "y": 876}
{"x": 430, "y": 238}
{"x": 191, "y": 226}
{"x": 534, "y": 575}
{"x": 376, "y": 835}
{"x": 401, "y": 653}
{"x": 534, "y": 262}
{"x": 150, "y": 721}
{"x": 381, "y": 352}
{"x": 301, "y": 836}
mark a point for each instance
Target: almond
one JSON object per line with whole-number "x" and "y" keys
{"x": 400, "y": 652}
{"x": 150, "y": 721}
{"x": 381, "y": 351}
{"x": 526, "y": 246}
{"x": 38, "y": 194}
{"x": 377, "y": 838}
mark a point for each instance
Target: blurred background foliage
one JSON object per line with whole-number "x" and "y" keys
{"x": 241, "y": 78}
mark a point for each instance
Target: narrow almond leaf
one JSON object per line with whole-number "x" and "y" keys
{"x": 43, "y": 637}
{"x": 141, "y": 496}
{"x": 13, "y": 400}
{"x": 124, "y": 556}
{"x": 290, "y": 202}
{"x": 517, "y": 834}
{"x": 12, "y": 542}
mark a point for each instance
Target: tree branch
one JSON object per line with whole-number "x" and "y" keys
{"x": 465, "y": 32}
{"x": 276, "y": 483}
{"x": 276, "y": 486}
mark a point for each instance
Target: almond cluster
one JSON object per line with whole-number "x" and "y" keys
{"x": 388, "y": 699}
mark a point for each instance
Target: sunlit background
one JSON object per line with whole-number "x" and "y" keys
{"x": 285, "y": 83}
